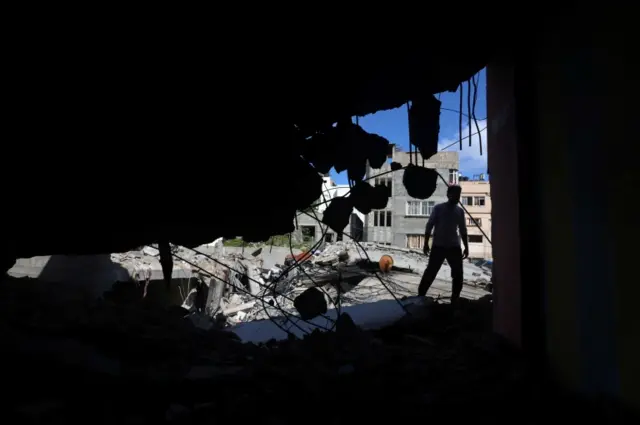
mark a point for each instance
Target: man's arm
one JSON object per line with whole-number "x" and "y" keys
{"x": 427, "y": 233}
{"x": 463, "y": 234}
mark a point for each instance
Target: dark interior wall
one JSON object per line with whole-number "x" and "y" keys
{"x": 503, "y": 167}
{"x": 573, "y": 131}
{"x": 587, "y": 112}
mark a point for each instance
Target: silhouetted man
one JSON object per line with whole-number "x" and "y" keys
{"x": 445, "y": 221}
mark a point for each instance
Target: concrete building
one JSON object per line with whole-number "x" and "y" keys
{"x": 476, "y": 198}
{"x": 402, "y": 223}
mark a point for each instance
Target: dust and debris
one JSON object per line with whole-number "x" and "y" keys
{"x": 224, "y": 286}
{"x": 189, "y": 374}
{"x": 191, "y": 371}
{"x": 344, "y": 273}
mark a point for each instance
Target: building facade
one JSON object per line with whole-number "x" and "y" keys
{"x": 476, "y": 198}
{"x": 403, "y": 221}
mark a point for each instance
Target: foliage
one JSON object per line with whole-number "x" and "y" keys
{"x": 279, "y": 240}
{"x": 233, "y": 242}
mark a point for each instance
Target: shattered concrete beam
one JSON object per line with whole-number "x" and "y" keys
{"x": 245, "y": 306}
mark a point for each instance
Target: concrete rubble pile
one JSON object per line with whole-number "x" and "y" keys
{"x": 343, "y": 273}
{"x": 253, "y": 283}
{"x": 121, "y": 362}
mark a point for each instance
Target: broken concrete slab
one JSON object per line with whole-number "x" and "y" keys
{"x": 350, "y": 268}
{"x": 342, "y": 268}
{"x": 366, "y": 316}
{"x": 95, "y": 274}
{"x": 269, "y": 255}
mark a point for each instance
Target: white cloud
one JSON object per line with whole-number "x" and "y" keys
{"x": 471, "y": 162}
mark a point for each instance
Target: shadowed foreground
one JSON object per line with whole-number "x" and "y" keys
{"x": 123, "y": 362}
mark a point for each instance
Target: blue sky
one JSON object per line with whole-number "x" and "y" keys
{"x": 393, "y": 125}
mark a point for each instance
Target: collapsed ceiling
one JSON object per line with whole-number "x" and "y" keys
{"x": 121, "y": 144}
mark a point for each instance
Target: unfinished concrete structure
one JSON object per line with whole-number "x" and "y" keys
{"x": 402, "y": 223}
{"x": 308, "y": 227}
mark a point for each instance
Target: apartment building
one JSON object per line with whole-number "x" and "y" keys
{"x": 476, "y": 198}
{"x": 403, "y": 221}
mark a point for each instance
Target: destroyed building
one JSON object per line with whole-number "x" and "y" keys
{"x": 403, "y": 221}
{"x": 133, "y": 121}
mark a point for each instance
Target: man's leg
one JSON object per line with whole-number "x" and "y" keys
{"x": 454, "y": 258}
{"x": 436, "y": 258}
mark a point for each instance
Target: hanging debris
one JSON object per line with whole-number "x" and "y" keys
{"x": 337, "y": 214}
{"x": 366, "y": 197}
{"x": 420, "y": 182}
{"x": 346, "y": 147}
{"x": 424, "y": 125}
{"x": 395, "y": 166}
{"x": 310, "y": 303}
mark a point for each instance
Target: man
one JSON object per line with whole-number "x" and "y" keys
{"x": 445, "y": 220}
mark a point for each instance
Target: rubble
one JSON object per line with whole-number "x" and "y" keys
{"x": 239, "y": 289}
{"x": 231, "y": 287}
{"x": 348, "y": 274}
{"x": 120, "y": 361}
{"x": 129, "y": 364}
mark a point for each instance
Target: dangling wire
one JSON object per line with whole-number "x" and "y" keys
{"x": 410, "y": 144}
{"x": 469, "y": 112}
{"x": 460, "y": 117}
{"x": 475, "y": 99}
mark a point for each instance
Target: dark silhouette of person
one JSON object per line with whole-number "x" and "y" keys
{"x": 446, "y": 220}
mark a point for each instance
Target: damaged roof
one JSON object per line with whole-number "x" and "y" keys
{"x": 174, "y": 139}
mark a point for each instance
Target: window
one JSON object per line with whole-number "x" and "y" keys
{"x": 475, "y": 238}
{"x": 420, "y": 208}
{"x": 384, "y": 181}
{"x": 478, "y": 201}
{"x": 453, "y": 176}
{"x": 308, "y": 233}
{"x": 328, "y": 237}
{"x": 415, "y": 241}
{"x": 470, "y": 222}
{"x": 382, "y": 218}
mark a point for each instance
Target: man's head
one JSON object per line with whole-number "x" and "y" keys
{"x": 453, "y": 193}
